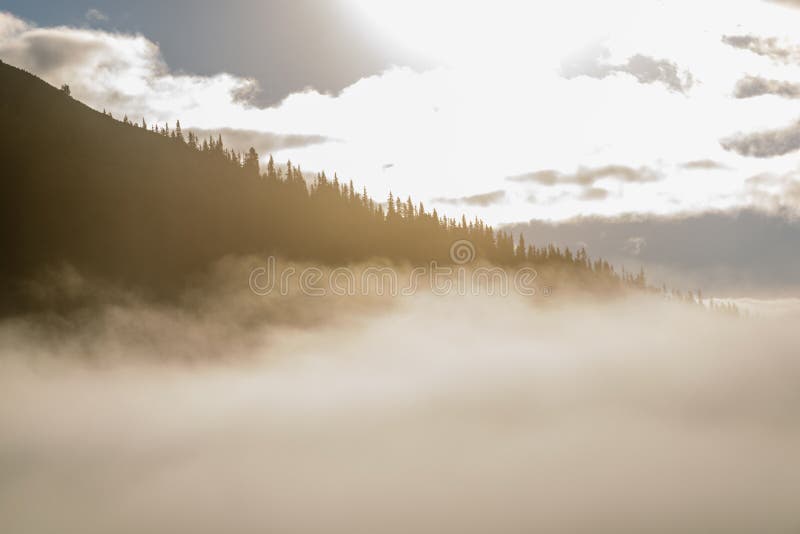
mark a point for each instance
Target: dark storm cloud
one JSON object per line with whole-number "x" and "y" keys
{"x": 482, "y": 200}
{"x": 263, "y": 142}
{"x": 588, "y": 176}
{"x": 764, "y": 46}
{"x": 703, "y": 164}
{"x": 765, "y": 144}
{"x": 731, "y": 253}
{"x": 594, "y": 63}
{"x": 751, "y": 86}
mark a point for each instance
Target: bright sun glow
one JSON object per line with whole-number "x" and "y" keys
{"x": 455, "y": 32}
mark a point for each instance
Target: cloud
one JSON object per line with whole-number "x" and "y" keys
{"x": 645, "y": 69}
{"x": 751, "y": 86}
{"x": 10, "y": 25}
{"x": 587, "y": 176}
{"x": 765, "y": 144}
{"x": 775, "y": 193}
{"x": 122, "y": 73}
{"x": 546, "y": 177}
{"x": 479, "y": 414}
{"x": 482, "y": 200}
{"x": 769, "y": 47}
{"x": 593, "y": 193}
{"x": 263, "y": 142}
{"x": 650, "y": 70}
{"x": 790, "y": 3}
{"x": 634, "y": 245}
{"x": 703, "y": 164}
{"x": 95, "y": 15}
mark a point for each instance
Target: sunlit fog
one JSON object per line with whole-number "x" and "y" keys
{"x": 395, "y": 267}
{"x": 460, "y": 414}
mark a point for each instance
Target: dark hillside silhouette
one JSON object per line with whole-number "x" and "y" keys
{"x": 148, "y": 207}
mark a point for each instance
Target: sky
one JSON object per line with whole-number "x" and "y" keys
{"x": 734, "y": 254}
{"x": 505, "y": 110}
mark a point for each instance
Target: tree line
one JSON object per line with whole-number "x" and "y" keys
{"x": 152, "y": 206}
{"x": 344, "y": 224}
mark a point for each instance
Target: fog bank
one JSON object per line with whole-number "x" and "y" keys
{"x": 423, "y": 414}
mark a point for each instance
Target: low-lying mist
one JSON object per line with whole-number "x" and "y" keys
{"x": 294, "y": 414}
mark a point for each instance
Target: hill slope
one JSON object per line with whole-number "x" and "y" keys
{"x": 143, "y": 209}
{"x": 82, "y": 188}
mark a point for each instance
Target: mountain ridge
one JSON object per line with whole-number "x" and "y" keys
{"x": 145, "y": 209}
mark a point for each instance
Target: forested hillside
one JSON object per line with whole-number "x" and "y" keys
{"x": 148, "y": 206}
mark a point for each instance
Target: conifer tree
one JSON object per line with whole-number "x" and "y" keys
{"x": 271, "y": 174}
{"x": 251, "y": 162}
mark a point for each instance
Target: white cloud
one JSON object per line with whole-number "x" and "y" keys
{"x": 778, "y": 193}
{"x": 123, "y": 73}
